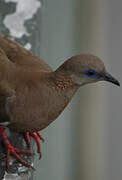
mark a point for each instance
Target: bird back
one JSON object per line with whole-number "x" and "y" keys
{"x": 20, "y": 56}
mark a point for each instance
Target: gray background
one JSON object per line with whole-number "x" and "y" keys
{"x": 84, "y": 143}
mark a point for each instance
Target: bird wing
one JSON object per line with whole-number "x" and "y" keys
{"x": 13, "y": 54}
{"x": 6, "y": 91}
{"x": 20, "y": 56}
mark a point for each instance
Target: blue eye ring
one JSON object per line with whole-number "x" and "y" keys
{"x": 91, "y": 73}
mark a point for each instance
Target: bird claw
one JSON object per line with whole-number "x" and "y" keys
{"x": 24, "y": 152}
{"x": 15, "y": 151}
{"x": 37, "y": 137}
{"x": 27, "y": 139}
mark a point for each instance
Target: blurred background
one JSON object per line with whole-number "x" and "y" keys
{"x": 84, "y": 143}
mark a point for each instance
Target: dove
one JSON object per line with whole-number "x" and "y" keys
{"x": 33, "y": 95}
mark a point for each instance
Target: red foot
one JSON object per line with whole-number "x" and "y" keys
{"x": 15, "y": 151}
{"x": 27, "y": 138}
{"x": 37, "y": 137}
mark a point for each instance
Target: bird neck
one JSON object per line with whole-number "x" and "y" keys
{"x": 60, "y": 90}
{"x": 63, "y": 81}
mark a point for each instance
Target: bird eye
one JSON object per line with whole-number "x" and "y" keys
{"x": 90, "y": 73}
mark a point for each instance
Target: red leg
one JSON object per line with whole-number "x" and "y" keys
{"x": 40, "y": 137}
{"x": 37, "y": 137}
{"x": 27, "y": 138}
{"x": 11, "y": 150}
{"x": 24, "y": 151}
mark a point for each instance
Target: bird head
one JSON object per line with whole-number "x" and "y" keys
{"x": 84, "y": 69}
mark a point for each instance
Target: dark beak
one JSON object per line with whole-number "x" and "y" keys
{"x": 109, "y": 78}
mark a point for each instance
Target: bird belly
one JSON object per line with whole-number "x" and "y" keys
{"x": 30, "y": 120}
{"x": 35, "y": 111}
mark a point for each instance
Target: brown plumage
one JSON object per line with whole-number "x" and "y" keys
{"x": 32, "y": 95}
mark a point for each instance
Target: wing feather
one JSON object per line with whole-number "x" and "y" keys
{"x": 20, "y": 56}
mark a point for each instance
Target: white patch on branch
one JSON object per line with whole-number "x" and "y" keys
{"x": 27, "y": 46}
{"x": 25, "y": 10}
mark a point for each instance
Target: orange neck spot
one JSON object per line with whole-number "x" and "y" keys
{"x": 63, "y": 83}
